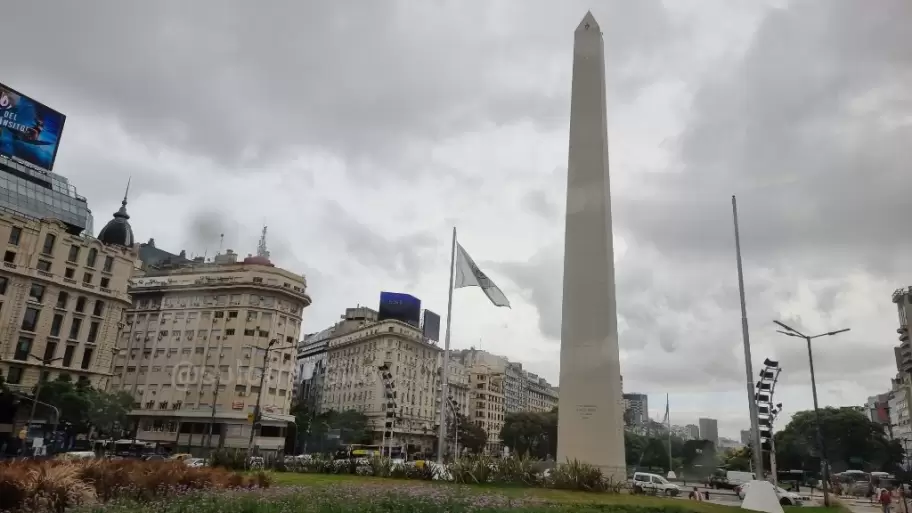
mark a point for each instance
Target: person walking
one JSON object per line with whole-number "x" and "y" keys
{"x": 695, "y": 495}
{"x": 885, "y": 500}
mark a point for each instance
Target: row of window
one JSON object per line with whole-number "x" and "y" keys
{"x": 69, "y": 273}
{"x": 15, "y": 374}
{"x": 48, "y": 249}
{"x": 37, "y": 292}
{"x": 24, "y": 352}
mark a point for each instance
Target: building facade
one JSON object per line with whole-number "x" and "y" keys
{"x": 203, "y": 341}
{"x": 538, "y": 395}
{"x": 359, "y": 346}
{"x": 523, "y": 390}
{"x": 636, "y": 409}
{"x": 488, "y": 403}
{"x": 41, "y": 195}
{"x": 709, "y": 430}
{"x": 63, "y": 299}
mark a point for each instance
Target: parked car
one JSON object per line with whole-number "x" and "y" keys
{"x": 644, "y": 482}
{"x": 786, "y": 498}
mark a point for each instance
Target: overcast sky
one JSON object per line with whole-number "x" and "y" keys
{"x": 362, "y": 132}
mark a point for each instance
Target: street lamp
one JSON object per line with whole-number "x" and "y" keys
{"x": 45, "y": 362}
{"x": 792, "y": 332}
{"x": 256, "y": 409}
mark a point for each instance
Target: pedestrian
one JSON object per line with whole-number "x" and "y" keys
{"x": 695, "y": 495}
{"x": 872, "y": 491}
{"x": 885, "y": 500}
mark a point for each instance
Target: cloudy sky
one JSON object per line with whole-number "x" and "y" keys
{"x": 362, "y": 132}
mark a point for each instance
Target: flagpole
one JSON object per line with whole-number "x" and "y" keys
{"x": 441, "y": 441}
{"x": 668, "y": 417}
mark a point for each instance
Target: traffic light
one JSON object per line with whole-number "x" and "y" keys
{"x": 766, "y": 412}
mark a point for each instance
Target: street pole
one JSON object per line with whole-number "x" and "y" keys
{"x": 757, "y": 453}
{"x": 773, "y": 460}
{"x": 445, "y": 370}
{"x": 256, "y": 409}
{"x": 825, "y": 467}
{"x": 820, "y": 441}
{"x": 215, "y": 394}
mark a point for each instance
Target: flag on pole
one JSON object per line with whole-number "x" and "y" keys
{"x": 469, "y": 275}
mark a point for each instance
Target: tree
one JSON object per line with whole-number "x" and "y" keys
{"x": 737, "y": 459}
{"x": 852, "y": 441}
{"x": 531, "y": 433}
{"x": 108, "y": 411}
{"x": 471, "y": 436}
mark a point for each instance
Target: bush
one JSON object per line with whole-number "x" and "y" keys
{"x": 575, "y": 475}
{"x": 53, "y": 486}
{"x": 378, "y": 466}
{"x": 517, "y": 471}
{"x": 472, "y": 469}
{"x": 235, "y": 459}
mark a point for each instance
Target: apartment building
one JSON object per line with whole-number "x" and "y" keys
{"x": 538, "y": 395}
{"x": 488, "y": 401}
{"x": 636, "y": 409}
{"x": 709, "y": 430}
{"x": 358, "y": 347}
{"x": 523, "y": 390}
{"x": 200, "y": 339}
{"x": 62, "y": 299}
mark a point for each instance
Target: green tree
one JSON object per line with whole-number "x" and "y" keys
{"x": 852, "y": 441}
{"x": 531, "y": 433}
{"x": 108, "y": 411}
{"x": 471, "y": 436}
{"x": 737, "y": 459}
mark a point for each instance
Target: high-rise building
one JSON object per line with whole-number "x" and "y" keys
{"x": 745, "y": 437}
{"x": 693, "y": 432}
{"x": 486, "y": 389}
{"x": 898, "y": 403}
{"x": 311, "y": 373}
{"x": 709, "y": 430}
{"x": 358, "y": 347}
{"x": 203, "y": 342}
{"x": 636, "y": 407}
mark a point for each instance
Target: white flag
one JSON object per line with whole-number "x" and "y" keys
{"x": 469, "y": 275}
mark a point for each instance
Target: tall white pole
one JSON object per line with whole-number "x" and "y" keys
{"x": 757, "y": 451}
{"x": 441, "y": 442}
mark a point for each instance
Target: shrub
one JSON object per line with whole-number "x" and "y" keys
{"x": 575, "y": 475}
{"x": 378, "y": 466}
{"x": 472, "y": 469}
{"x": 517, "y": 471}
{"x": 229, "y": 459}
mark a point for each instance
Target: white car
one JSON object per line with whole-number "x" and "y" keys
{"x": 648, "y": 482}
{"x": 786, "y": 498}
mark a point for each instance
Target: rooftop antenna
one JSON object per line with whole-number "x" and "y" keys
{"x": 221, "y": 243}
{"x": 261, "y": 247}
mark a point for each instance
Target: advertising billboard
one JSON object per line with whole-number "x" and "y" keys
{"x": 401, "y": 307}
{"x": 29, "y": 130}
{"x": 430, "y": 326}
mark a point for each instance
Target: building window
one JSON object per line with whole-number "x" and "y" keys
{"x": 56, "y": 324}
{"x": 229, "y": 332}
{"x": 44, "y": 265}
{"x": 91, "y": 257}
{"x": 219, "y": 315}
{"x": 9, "y": 257}
{"x": 108, "y": 264}
{"x": 105, "y": 282}
{"x": 49, "y": 241}
{"x": 69, "y": 273}
{"x": 86, "y": 358}
{"x": 36, "y": 292}
{"x": 15, "y": 376}
{"x": 93, "y": 332}
{"x": 3, "y": 283}
{"x": 15, "y": 235}
{"x": 68, "y": 355}
{"x": 87, "y": 278}
{"x": 99, "y": 308}
{"x": 249, "y": 333}
{"x": 23, "y": 348}
{"x": 30, "y": 319}
{"x": 74, "y": 254}
{"x": 74, "y": 328}
{"x": 80, "y": 304}
{"x": 62, "y": 299}
{"x": 49, "y": 349}
{"x": 232, "y": 315}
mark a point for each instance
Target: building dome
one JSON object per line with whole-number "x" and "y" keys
{"x": 118, "y": 231}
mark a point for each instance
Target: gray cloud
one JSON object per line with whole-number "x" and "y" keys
{"x": 371, "y": 81}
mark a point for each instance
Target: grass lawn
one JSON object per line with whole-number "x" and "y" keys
{"x": 555, "y": 496}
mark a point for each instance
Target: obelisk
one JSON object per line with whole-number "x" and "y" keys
{"x": 591, "y": 417}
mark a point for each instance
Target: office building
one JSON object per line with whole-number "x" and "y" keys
{"x": 42, "y": 195}
{"x": 745, "y": 437}
{"x": 203, "y": 341}
{"x": 636, "y": 408}
{"x": 63, "y": 296}
{"x": 709, "y": 430}
{"x": 692, "y": 431}
{"x": 486, "y": 386}
{"x": 358, "y": 347}
{"x": 523, "y": 390}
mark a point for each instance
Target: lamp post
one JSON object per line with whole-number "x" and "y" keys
{"x": 45, "y": 362}
{"x": 256, "y": 409}
{"x": 791, "y": 332}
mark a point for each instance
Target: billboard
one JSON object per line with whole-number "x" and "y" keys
{"x": 430, "y": 326}
{"x": 401, "y": 307}
{"x": 29, "y": 130}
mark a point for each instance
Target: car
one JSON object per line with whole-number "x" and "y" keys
{"x": 195, "y": 462}
{"x": 644, "y": 482}
{"x": 786, "y": 498}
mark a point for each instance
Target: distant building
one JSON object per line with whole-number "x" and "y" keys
{"x": 746, "y": 436}
{"x": 693, "y": 432}
{"x": 709, "y": 430}
{"x": 636, "y": 409}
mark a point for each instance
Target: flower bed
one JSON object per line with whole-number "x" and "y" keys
{"x": 56, "y": 486}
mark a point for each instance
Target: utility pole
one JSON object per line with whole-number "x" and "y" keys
{"x": 215, "y": 394}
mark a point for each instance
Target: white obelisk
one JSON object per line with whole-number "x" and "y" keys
{"x": 591, "y": 418}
